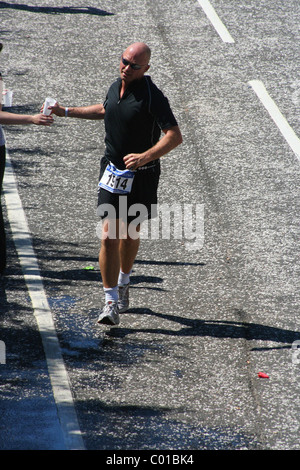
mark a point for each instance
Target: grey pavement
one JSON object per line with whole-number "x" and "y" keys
{"x": 181, "y": 369}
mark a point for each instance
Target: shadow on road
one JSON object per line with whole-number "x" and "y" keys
{"x": 213, "y": 328}
{"x": 55, "y": 10}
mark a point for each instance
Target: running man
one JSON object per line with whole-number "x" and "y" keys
{"x": 135, "y": 112}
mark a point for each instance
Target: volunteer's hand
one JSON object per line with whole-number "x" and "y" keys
{"x": 42, "y": 120}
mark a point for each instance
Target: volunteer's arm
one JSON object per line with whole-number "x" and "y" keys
{"x": 12, "y": 118}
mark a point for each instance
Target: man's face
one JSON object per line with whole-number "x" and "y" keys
{"x": 133, "y": 65}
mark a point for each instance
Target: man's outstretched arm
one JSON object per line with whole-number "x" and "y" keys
{"x": 94, "y": 111}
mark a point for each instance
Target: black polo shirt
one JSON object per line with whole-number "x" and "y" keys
{"x": 133, "y": 123}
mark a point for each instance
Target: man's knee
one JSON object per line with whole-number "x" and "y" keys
{"x": 110, "y": 230}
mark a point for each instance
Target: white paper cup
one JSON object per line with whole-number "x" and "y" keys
{"x": 7, "y": 98}
{"x": 48, "y": 102}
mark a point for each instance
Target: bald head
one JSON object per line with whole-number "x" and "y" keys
{"x": 140, "y": 51}
{"x": 134, "y": 63}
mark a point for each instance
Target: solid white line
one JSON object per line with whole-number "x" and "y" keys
{"x": 280, "y": 121}
{"x": 215, "y": 20}
{"x": 56, "y": 367}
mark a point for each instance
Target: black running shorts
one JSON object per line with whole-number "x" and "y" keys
{"x": 140, "y": 204}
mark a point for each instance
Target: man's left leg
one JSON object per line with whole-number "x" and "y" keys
{"x": 128, "y": 250}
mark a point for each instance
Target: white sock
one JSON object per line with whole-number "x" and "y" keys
{"x": 123, "y": 278}
{"x": 111, "y": 294}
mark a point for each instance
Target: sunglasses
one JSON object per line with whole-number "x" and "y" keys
{"x": 133, "y": 66}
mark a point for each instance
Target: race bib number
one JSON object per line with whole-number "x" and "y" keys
{"x": 116, "y": 181}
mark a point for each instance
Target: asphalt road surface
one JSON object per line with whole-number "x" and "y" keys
{"x": 210, "y": 308}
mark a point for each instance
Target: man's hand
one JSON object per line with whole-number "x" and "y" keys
{"x": 133, "y": 161}
{"x": 56, "y": 109}
{"x": 94, "y": 111}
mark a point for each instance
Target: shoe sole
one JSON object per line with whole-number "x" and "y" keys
{"x": 106, "y": 321}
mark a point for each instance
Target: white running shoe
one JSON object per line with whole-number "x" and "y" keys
{"x": 110, "y": 314}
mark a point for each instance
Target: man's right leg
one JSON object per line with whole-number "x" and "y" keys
{"x": 109, "y": 263}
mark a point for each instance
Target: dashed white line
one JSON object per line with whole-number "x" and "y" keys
{"x": 215, "y": 20}
{"x": 56, "y": 367}
{"x": 280, "y": 121}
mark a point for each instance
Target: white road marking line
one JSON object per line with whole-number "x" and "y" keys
{"x": 56, "y": 367}
{"x": 280, "y": 121}
{"x": 215, "y": 20}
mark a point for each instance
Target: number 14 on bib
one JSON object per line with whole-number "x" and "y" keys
{"x": 116, "y": 181}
